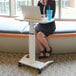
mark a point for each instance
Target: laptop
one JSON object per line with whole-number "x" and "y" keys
{"x": 32, "y": 13}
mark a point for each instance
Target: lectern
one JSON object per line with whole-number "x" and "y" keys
{"x": 31, "y": 61}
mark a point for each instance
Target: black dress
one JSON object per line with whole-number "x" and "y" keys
{"x": 47, "y": 28}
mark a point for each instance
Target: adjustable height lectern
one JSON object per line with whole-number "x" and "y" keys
{"x": 30, "y": 61}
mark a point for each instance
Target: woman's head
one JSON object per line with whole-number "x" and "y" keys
{"x": 45, "y": 1}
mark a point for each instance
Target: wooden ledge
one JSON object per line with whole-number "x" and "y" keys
{"x": 12, "y": 35}
{"x": 63, "y": 35}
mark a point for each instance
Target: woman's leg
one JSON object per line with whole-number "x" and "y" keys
{"x": 38, "y": 42}
{"x": 42, "y": 38}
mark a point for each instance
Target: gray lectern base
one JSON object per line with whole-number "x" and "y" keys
{"x": 36, "y": 65}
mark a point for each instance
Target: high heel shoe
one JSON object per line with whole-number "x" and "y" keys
{"x": 42, "y": 56}
{"x": 48, "y": 52}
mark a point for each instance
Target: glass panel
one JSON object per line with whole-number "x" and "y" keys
{"x": 36, "y": 2}
{"x": 21, "y": 2}
{"x": 57, "y": 9}
{"x": 68, "y": 9}
{"x": 4, "y": 7}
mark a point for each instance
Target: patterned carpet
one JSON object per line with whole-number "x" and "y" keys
{"x": 64, "y": 65}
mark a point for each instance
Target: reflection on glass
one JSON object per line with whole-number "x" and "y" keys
{"x": 68, "y": 9}
{"x": 57, "y": 9}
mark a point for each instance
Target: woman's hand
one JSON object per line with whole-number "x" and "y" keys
{"x": 43, "y": 15}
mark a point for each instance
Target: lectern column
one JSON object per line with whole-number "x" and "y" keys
{"x": 32, "y": 43}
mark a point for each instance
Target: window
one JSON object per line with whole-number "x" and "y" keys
{"x": 12, "y": 7}
{"x": 68, "y": 9}
{"x": 4, "y": 7}
{"x": 22, "y": 2}
{"x": 65, "y": 9}
{"x": 57, "y": 7}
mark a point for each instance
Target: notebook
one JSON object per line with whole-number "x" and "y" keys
{"x": 33, "y": 13}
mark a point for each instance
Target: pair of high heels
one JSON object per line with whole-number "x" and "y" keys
{"x": 44, "y": 52}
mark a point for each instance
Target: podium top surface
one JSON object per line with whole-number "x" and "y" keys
{"x": 43, "y": 20}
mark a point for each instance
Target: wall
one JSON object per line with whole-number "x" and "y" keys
{"x": 20, "y": 45}
{"x": 14, "y": 45}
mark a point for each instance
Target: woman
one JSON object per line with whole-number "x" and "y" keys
{"x": 43, "y": 30}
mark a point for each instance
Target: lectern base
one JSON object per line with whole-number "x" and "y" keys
{"x": 36, "y": 65}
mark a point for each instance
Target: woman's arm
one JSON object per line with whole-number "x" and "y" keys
{"x": 40, "y": 6}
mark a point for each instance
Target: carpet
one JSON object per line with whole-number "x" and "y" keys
{"x": 64, "y": 65}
